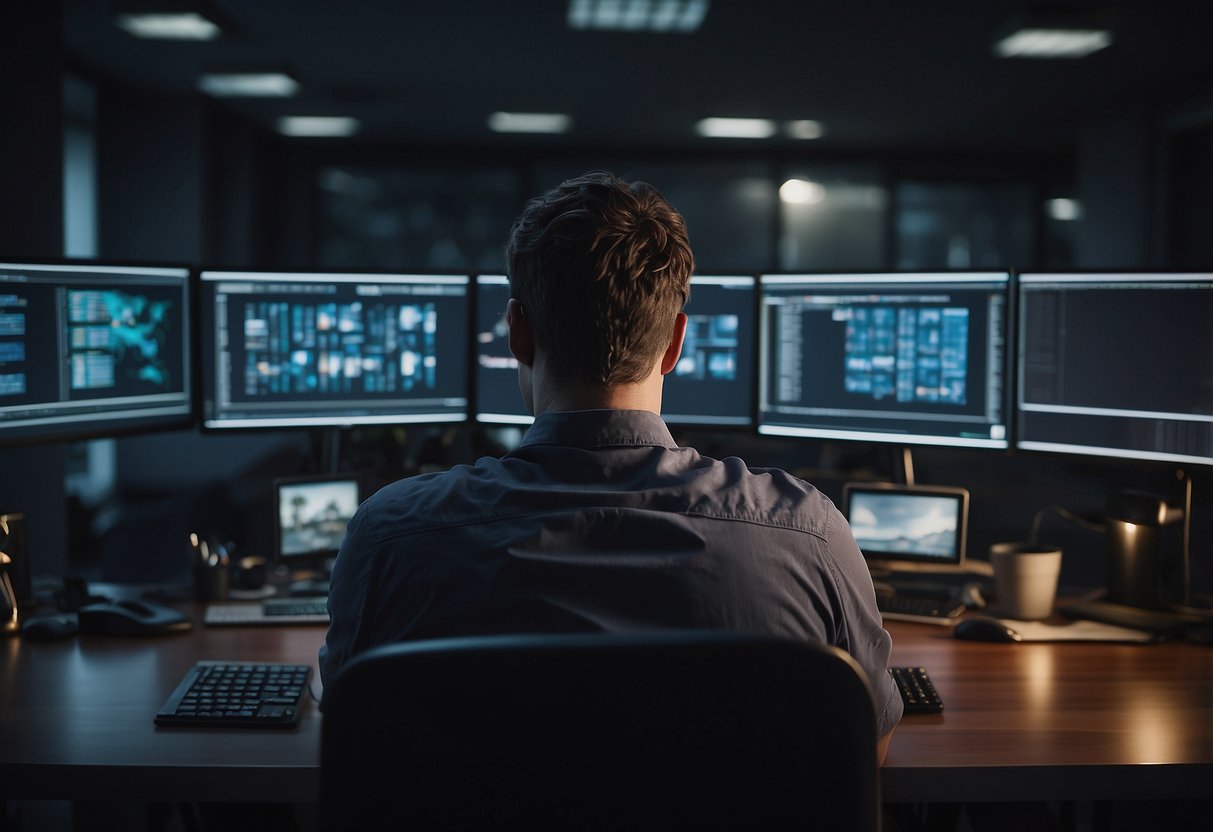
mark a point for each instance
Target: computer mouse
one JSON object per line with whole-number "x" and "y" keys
{"x": 984, "y": 629}
{"x": 132, "y": 618}
{"x": 52, "y": 627}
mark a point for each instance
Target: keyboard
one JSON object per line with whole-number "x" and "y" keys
{"x": 917, "y": 690}
{"x": 272, "y": 611}
{"x": 919, "y": 608}
{"x": 238, "y": 695}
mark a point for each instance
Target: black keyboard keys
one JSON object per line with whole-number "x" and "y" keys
{"x": 238, "y": 695}
{"x": 917, "y": 690}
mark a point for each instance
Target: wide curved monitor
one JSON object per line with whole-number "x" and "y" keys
{"x": 300, "y": 349}
{"x": 1117, "y": 365}
{"x": 93, "y": 349}
{"x": 904, "y": 358}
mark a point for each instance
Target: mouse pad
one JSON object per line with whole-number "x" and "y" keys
{"x": 1074, "y": 631}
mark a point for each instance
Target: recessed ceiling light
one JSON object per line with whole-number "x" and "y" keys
{"x": 169, "y": 25}
{"x": 802, "y": 192}
{"x": 248, "y": 84}
{"x": 637, "y": 15}
{"x": 804, "y": 128}
{"x": 318, "y": 126}
{"x": 1052, "y": 43}
{"x": 735, "y": 128}
{"x": 502, "y": 122}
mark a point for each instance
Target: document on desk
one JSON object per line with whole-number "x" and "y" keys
{"x": 1075, "y": 631}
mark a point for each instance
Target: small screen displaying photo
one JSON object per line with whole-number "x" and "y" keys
{"x": 922, "y": 525}
{"x": 312, "y": 516}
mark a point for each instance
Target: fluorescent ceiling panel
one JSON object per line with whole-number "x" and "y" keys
{"x": 248, "y": 85}
{"x": 1052, "y": 43}
{"x": 318, "y": 126}
{"x": 735, "y": 128}
{"x": 169, "y": 26}
{"x": 503, "y": 122}
{"x": 679, "y": 16}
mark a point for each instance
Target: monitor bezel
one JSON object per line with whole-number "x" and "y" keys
{"x": 1057, "y": 450}
{"x": 128, "y": 425}
{"x": 282, "y": 423}
{"x": 1004, "y": 276}
{"x": 959, "y": 495}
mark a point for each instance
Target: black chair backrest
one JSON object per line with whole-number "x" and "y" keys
{"x": 684, "y": 730}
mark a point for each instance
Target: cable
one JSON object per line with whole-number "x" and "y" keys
{"x": 1066, "y": 514}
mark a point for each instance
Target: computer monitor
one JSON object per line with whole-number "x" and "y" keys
{"x": 908, "y": 524}
{"x": 1117, "y": 365}
{"x": 910, "y": 359}
{"x": 91, "y": 349}
{"x": 498, "y": 399}
{"x": 312, "y": 515}
{"x": 298, "y": 349}
{"x": 712, "y": 384}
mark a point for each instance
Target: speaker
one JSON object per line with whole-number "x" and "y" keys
{"x": 15, "y": 588}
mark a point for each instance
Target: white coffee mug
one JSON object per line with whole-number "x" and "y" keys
{"x": 1025, "y": 578}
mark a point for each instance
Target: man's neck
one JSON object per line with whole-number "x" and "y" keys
{"x": 644, "y": 395}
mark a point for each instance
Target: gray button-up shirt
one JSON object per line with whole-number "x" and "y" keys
{"x": 599, "y": 522}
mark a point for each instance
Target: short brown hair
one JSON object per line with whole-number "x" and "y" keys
{"x": 601, "y": 267}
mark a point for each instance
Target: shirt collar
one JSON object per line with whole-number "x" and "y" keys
{"x": 599, "y": 429}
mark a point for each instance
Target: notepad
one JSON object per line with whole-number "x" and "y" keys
{"x": 1075, "y": 631}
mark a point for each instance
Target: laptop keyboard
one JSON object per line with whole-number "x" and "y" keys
{"x": 271, "y": 611}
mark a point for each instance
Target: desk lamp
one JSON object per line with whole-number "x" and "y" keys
{"x": 1135, "y": 527}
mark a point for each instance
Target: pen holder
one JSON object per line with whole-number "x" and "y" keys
{"x": 211, "y": 583}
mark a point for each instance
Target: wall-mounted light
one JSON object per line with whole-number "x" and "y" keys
{"x": 1065, "y": 210}
{"x": 802, "y": 192}
{"x": 326, "y": 127}
{"x": 803, "y": 128}
{"x": 735, "y": 128}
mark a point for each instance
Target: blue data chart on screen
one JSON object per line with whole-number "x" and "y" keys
{"x": 713, "y": 382}
{"x": 86, "y": 349}
{"x": 300, "y": 349}
{"x": 1116, "y": 365}
{"x": 900, "y": 358}
{"x": 498, "y": 399}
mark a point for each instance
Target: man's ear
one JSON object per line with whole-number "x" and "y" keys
{"x": 522, "y": 336}
{"x": 674, "y": 350}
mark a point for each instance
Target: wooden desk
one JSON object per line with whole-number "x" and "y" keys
{"x": 1022, "y": 721}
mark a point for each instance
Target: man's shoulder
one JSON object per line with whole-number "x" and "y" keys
{"x": 731, "y": 489}
{"x": 426, "y": 498}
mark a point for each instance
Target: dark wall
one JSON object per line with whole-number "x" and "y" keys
{"x": 31, "y": 202}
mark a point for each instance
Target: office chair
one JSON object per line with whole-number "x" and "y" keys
{"x": 682, "y": 730}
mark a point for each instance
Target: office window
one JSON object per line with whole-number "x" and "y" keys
{"x": 729, "y": 207}
{"x": 453, "y": 219}
{"x": 832, "y": 218}
{"x": 964, "y": 225}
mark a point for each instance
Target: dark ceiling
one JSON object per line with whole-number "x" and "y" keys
{"x": 890, "y": 76}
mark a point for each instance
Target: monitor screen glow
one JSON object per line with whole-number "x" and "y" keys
{"x": 285, "y": 349}
{"x": 1116, "y": 365}
{"x": 88, "y": 349}
{"x": 896, "y": 358}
